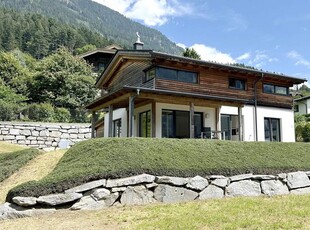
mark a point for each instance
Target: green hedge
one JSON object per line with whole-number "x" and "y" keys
{"x": 11, "y": 162}
{"x": 122, "y": 157}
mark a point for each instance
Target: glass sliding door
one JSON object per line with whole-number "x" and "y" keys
{"x": 176, "y": 124}
{"x": 145, "y": 124}
{"x": 272, "y": 129}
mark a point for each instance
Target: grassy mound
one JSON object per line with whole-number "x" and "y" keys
{"x": 122, "y": 157}
{"x": 12, "y": 161}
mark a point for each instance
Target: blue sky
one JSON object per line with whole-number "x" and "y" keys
{"x": 272, "y": 35}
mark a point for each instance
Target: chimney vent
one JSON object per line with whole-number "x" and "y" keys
{"x": 138, "y": 44}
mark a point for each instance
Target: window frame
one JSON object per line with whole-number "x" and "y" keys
{"x": 270, "y": 126}
{"x": 117, "y": 129}
{"x": 237, "y": 79}
{"x": 148, "y": 124}
{"x": 178, "y": 73}
{"x": 274, "y": 89}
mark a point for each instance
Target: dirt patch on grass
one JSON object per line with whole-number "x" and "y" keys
{"x": 33, "y": 170}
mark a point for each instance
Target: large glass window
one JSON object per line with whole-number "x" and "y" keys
{"x": 172, "y": 74}
{"x": 117, "y": 128}
{"x": 145, "y": 124}
{"x": 269, "y": 88}
{"x": 272, "y": 129}
{"x": 236, "y": 83}
{"x": 176, "y": 124}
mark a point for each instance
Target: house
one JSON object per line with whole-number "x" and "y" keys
{"x": 151, "y": 94}
{"x": 100, "y": 58}
{"x": 302, "y": 105}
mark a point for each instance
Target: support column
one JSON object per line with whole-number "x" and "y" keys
{"x": 110, "y": 133}
{"x": 153, "y": 119}
{"x": 93, "y": 123}
{"x": 192, "y": 120}
{"x": 240, "y": 122}
{"x": 218, "y": 123}
{"x": 131, "y": 116}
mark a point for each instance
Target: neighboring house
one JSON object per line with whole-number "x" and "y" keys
{"x": 302, "y": 105}
{"x": 152, "y": 94}
{"x": 100, "y": 58}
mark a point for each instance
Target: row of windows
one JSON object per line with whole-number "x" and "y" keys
{"x": 192, "y": 77}
{"x": 172, "y": 74}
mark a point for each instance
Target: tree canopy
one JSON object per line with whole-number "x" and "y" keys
{"x": 191, "y": 53}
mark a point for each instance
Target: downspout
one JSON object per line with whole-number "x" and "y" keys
{"x": 255, "y": 105}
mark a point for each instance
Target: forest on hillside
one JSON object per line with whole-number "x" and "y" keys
{"x": 98, "y": 18}
{"x": 40, "y": 36}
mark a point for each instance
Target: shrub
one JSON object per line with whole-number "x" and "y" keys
{"x": 9, "y": 111}
{"x": 62, "y": 115}
{"x": 306, "y": 132}
{"x": 41, "y": 112}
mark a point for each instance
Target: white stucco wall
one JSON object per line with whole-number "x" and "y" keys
{"x": 286, "y": 117}
{"x": 117, "y": 114}
{"x": 304, "y": 107}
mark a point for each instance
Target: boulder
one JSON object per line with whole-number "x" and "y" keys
{"x": 178, "y": 181}
{"x": 24, "y": 201}
{"x": 87, "y": 186}
{"x": 57, "y": 199}
{"x": 170, "y": 194}
{"x": 197, "y": 183}
{"x": 211, "y": 192}
{"x": 220, "y": 182}
{"x": 274, "y": 187}
{"x": 263, "y": 177}
{"x": 100, "y": 193}
{"x": 243, "y": 188}
{"x": 137, "y": 195}
{"x": 11, "y": 211}
{"x": 301, "y": 191}
{"x": 297, "y": 180}
{"x": 241, "y": 177}
{"x": 89, "y": 203}
{"x": 143, "y": 178}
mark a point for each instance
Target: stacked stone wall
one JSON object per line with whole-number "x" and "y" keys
{"x": 46, "y": 136}
{"x": 146, "y": 189}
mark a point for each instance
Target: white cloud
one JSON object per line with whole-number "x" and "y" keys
{"x": 150, "y": 12}
{"x": 261, "y": 58}
{"x": 212, "y": 54}
{"x": 300, "y": 60}
{"x": 243, "y": 57}
{"x": 181, "y": 45}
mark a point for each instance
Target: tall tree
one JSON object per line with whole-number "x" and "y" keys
{"x": 191, "y": 53}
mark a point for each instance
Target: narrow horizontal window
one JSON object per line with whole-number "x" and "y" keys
{"x": 177, "y": 75}
{"x": 237, "y": 84}
{"x": 275, "y": 89}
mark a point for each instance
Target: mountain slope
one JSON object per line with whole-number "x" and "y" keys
{"x": 98, "y": 18}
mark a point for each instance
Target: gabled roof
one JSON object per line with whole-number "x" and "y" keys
{"x": 150, "y": 54}
{"x": 302, "y": 98}
{"x": 111, "y": 49}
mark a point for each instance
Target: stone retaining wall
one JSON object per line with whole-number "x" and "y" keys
{"x": 145, "y": 189}
{"x": 46, "y": 136}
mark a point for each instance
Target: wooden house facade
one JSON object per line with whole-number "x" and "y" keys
{"x": 151, "y": 94}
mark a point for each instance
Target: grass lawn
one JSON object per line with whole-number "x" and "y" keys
{"x": 120, "y": 157}
{"x": 6, "y": 147}
{"x": 13, "y": 160}
{"x": 282, "y": 212}
{"x": 35, "y": 169}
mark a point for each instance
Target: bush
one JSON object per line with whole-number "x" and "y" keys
{"x": 62, "y": 115}
{"x": 9, "y": 111}
{"x": 40, "y": 112}
{"x": 306, "y": 132}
